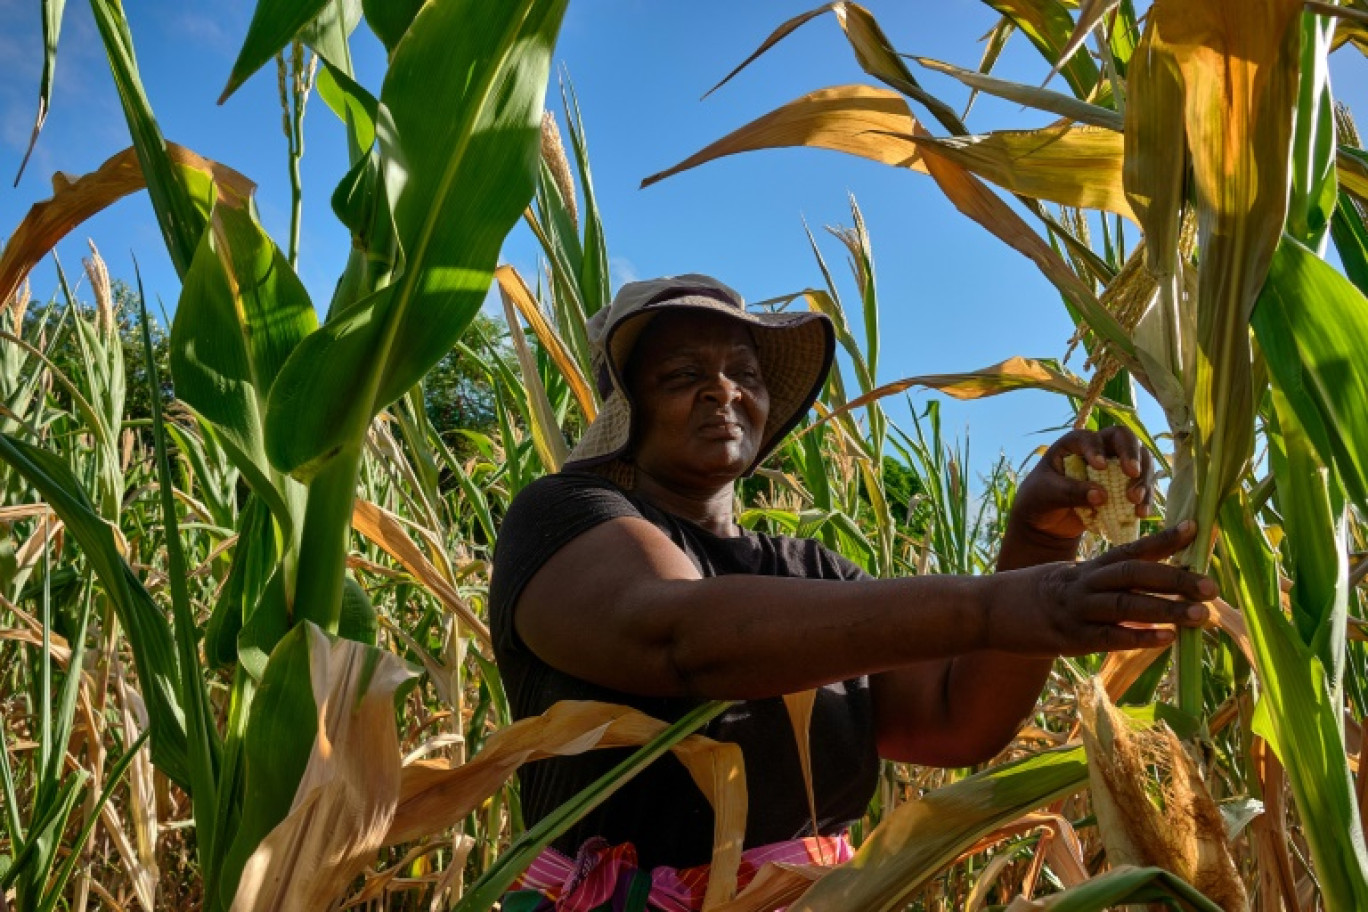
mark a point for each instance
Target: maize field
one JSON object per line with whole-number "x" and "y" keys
{"x": 244, "y": 651}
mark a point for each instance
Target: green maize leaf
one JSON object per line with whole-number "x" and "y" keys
{"x": 149, "y": 635}
{"x": 1030, "y": 96}
{"x": 33, "y": 861}
{"x": 113, "y": 776}
{"x": 1297, "y": 715}
{"x": 358, "y": 620}
{"x": 1123, "y": 885}
{"x": 275, "y": 23}
{"x": 215, "y": 478}
{"x": 361, "y": 203}
{"x": 390, "y": 19}
{"x": 1311, "y": 503}
{"x": 540, "y": 416}
{"x": 242, "y": 310}
{"x": 1312, "y": 327}
{"x": 173, "y": 198}
{"x": 280, "y": 735}
{"x": 921, "y": 837}
{"x": 352, "y": 104}
{"x": 1153, "y": 174}
{"x": 469, "y": 169}
{"x": 1351, "y": 241}
{"x": 1124, "y": 37}
{"x": 201, "y": 735}
{"x": 254, "y": 559}
{"x": 1090, "y": 14}
{"x": 994, "y": 43}
{"x": 52, "y": 30}
{"x": 1313, "y": 141}
{"x": 1048, "y": 25}
{"x": 327, "y": 34}
{"x": 264, "y": 624}
{"x": 595, "y": 290}
{"x": 232, "y": 772}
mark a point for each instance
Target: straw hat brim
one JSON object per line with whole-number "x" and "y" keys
{"x": 795, "y": 351}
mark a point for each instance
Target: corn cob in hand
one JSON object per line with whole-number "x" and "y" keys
{"x": 1114, "y": 520}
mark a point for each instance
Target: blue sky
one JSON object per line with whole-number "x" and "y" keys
{"x": 953, "y": 297}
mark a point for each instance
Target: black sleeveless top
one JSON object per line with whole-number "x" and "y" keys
{"x": 661, "y": 811}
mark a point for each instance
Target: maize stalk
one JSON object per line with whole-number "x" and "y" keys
{"x": 1114, "y": 520}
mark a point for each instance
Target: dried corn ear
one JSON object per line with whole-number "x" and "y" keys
{"x": 1114, "y": 520}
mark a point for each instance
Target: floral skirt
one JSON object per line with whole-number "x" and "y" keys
{"x": 606, "y": 878}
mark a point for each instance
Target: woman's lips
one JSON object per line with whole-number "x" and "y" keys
{"x": 721, "y": 430}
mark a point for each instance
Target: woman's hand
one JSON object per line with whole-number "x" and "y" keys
{"x": 1044, "y": 507}
{"x": 1099, "y": 605}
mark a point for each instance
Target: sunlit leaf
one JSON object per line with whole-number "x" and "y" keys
{"x": 1070, "y": 165}
{"x": 1297, "y": 716}
{"x": 856, "y": 119}
{"x": 385, "y": 529}
{"x": 274, "y": 25}
{"x": 75, "y": 201}
{"x": 242, "y": 310}
{"x": 1312, "y": 327}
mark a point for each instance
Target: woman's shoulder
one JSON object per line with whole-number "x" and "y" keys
{"x": 555, "y": 508}
{"x": 567, "y": 489}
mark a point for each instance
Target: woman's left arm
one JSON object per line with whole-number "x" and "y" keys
{"x": 964, "y": 710}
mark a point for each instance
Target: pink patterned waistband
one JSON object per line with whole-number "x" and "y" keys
{"x": 588, "y": 880}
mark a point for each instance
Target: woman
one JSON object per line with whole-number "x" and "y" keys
{"x": 626, "y": 579}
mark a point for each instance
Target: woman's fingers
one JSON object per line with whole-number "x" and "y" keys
{"x": 1154, "y": 547}
{"x": 1110, "y": 638}
{"x": 1148, "y": 576}
{"x": 1060, "y": 490}
{"x": 1087, "y": 444}
{"x": 1125, "y": 446}
{"x": 1138, "y": 608}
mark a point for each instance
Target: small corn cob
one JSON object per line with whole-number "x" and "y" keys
{"x": 1115, "y": 520}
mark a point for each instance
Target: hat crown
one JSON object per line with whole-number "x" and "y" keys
{"x": 633, "y": 297}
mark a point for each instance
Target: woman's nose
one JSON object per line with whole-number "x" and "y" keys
{"x": 722, "y": 389}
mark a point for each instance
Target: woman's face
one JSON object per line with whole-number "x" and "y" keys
{"x": 700, "y": 400}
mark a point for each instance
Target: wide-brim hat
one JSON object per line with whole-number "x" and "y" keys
{"x": 794, "y": 349}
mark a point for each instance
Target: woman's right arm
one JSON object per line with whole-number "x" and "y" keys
{"x": 623, "y": 607}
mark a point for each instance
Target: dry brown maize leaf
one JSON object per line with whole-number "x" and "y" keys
{"x": 1064, "y": 163}
{"x": 74, "y": 201}
{"x": 855, "y": 119}
{"x": 1238, "y": 66}
{"x": 347, "y": 796}
{"x": 434, "y": 796}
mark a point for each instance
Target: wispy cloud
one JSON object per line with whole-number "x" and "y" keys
{"x": 204, "y": 30}
{"x": 621, "y": 271}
